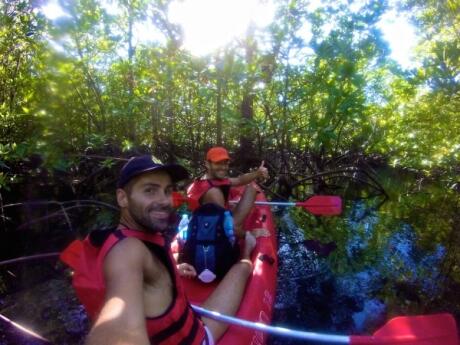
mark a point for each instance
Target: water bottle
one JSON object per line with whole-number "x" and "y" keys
{"x": 228, "y": 227}
{"x": 183, "y": 226}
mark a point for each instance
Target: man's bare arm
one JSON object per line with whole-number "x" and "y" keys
{"x": 122, "y": 318}
{"x": 244, "y": 179}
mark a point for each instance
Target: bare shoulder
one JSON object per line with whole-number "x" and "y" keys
{"x": 127, "y": 255}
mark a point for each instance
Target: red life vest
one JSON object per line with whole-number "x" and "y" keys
{"x": 178, "y": 325}
{"x": 199, "y": 188}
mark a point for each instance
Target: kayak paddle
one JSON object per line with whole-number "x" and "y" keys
{"x": 437, "y": 329}
{"x": 320, "y": 205}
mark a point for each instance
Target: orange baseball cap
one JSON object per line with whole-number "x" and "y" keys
{"x": 217, "y": 154}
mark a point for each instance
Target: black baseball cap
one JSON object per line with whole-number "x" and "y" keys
{"x": 142, "y": 164}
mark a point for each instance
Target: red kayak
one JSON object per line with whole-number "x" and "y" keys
{"x": 259, "y": 297}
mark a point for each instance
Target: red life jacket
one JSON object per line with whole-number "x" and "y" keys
{"x": 177, "y": 325}
{"x": 199, "y": 188}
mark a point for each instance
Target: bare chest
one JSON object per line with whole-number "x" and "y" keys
{"x": 158, "y": 288}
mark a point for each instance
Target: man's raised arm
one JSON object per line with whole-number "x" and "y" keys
{"x": 244, "y": 179}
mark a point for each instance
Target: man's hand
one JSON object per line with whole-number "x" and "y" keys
{"x": 262, "y": 171}
{"x": 186, "y": 270}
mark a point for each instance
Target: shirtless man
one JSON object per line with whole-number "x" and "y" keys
{"x": 144, "y": 298}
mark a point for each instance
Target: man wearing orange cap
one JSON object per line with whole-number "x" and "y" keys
{"x": 215, "y": 185}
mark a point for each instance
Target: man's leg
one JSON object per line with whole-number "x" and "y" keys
{"x": 226, "y": 298}
{"x": 243, "y": 208}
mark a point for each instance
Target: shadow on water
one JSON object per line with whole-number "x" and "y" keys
{"x": 311, "y": 296}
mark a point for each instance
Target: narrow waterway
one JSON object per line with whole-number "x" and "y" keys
{"x": 311, "y": 297}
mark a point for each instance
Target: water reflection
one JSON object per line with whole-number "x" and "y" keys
{"x": 312, "y": 297}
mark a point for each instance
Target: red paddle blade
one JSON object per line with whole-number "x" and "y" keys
{"x": 437, "y": 329}
{"x": 323, "y": 205}
{"x": 178, "y": 199}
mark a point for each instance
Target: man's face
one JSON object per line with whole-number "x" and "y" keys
{"x": 149, "y": 201}
{"x": 218, "y": 170}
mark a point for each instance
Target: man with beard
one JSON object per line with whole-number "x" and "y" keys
{"x": 144, "y": 300}
{"x": 214, "y": 186}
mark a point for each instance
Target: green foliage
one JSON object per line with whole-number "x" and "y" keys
{"x": 423, "y": 132}
{"x": 340, "y": 92}
{"x": 20, "y": 24}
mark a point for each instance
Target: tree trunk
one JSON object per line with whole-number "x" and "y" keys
{"x": 245, "y": 154}
{"x": 131, "y": 112}
{"x": 219, "y": 112}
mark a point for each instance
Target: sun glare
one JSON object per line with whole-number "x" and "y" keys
{"x": 401, "y": 36}
{"x": 52, "y": 10}
{"x": 210, "y": 24}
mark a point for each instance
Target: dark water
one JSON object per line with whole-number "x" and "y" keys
{"x": 311, "y": 297}
{"x": 50, "y": 309}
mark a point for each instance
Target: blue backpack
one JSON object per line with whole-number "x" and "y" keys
{"x": 210, "y": 244}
